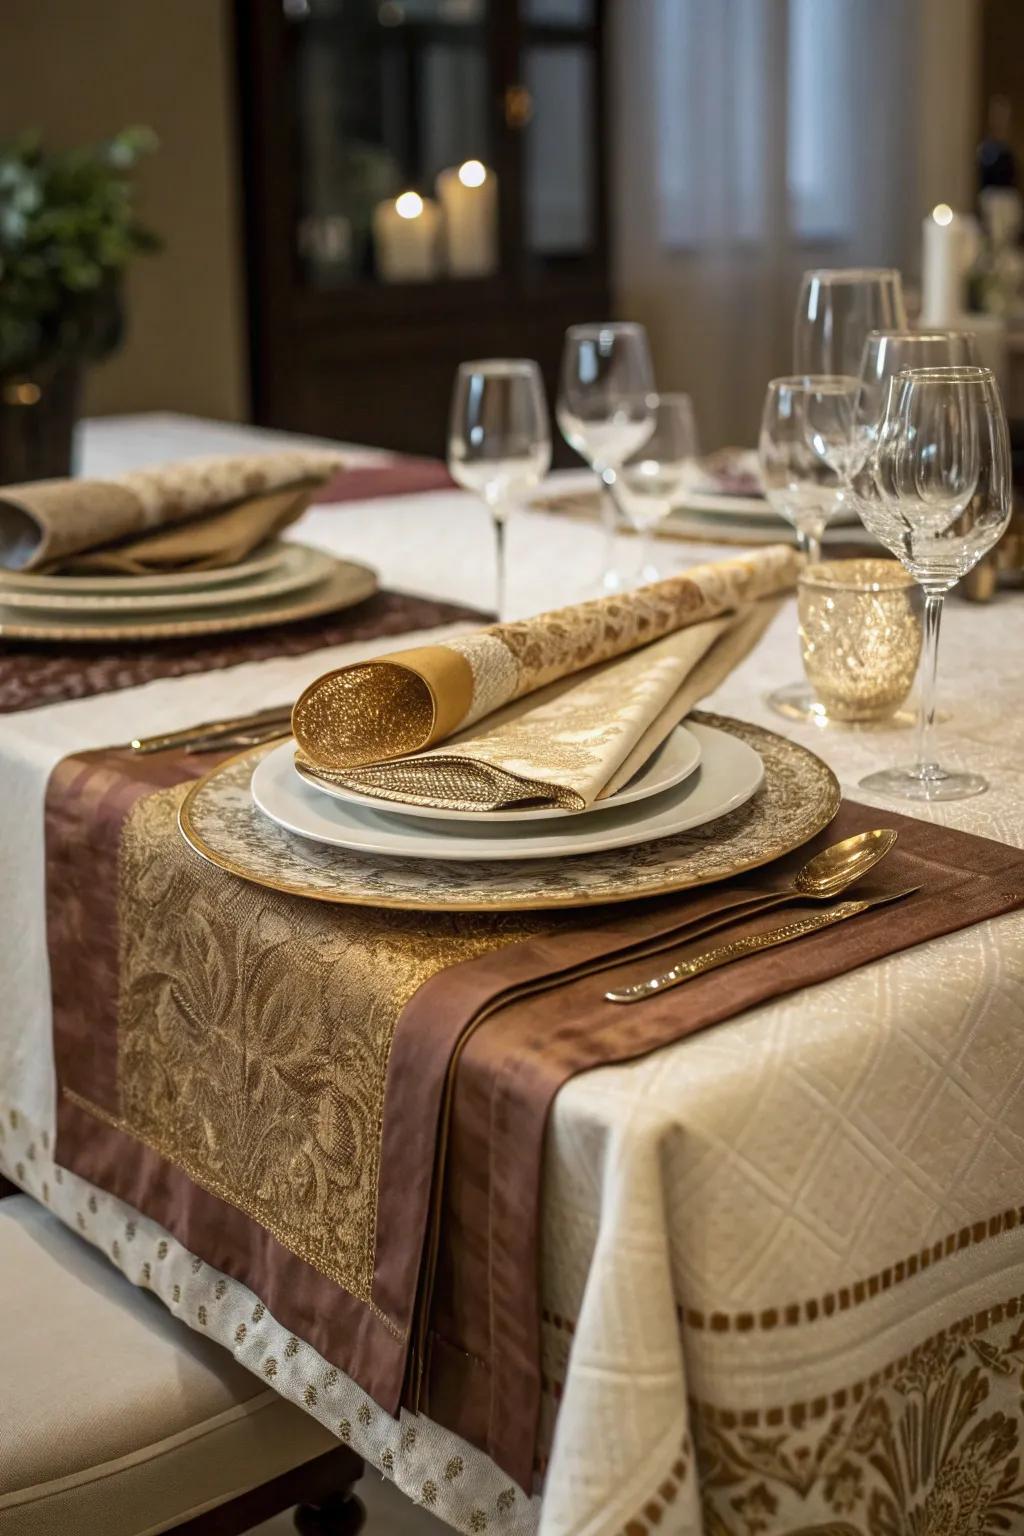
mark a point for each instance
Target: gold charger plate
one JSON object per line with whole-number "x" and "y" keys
{"x": 799, "y": 797}
{"x": 349, "y": 583}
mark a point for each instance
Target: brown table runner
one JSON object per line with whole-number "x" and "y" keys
{"x": 298, "y": 1092}
{"x": 34, "y": 674}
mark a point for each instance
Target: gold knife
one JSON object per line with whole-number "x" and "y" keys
{"x": 752, "y": 944}
{"x": 213, "y": 730}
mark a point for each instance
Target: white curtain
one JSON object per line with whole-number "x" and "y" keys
{"x": 755, "y": 138}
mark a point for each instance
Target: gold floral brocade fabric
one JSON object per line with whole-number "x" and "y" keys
{"x": 254, "y": 1030}
{"x": 934, "y": 1449}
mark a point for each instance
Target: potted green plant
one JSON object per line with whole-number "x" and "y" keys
{"x": 68, "y": 229}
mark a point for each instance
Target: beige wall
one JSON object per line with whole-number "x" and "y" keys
{"x": 79, "y": 70}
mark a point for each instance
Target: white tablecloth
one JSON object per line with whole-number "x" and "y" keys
{"x": 734, "y": 1227}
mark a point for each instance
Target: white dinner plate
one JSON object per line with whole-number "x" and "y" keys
{"x": 729, "y": 773}
{"x": 299, "y": 566}
{"x": 676, "y": 758}
{"x": 267, "y": 558}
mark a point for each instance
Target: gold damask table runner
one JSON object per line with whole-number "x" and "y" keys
{"x": 344, "y": 1108}
{"x": 193, "y": 515}
{"x": 553, "y": 710}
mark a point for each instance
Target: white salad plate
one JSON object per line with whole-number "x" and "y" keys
{"x": 730, "y": 773}
{"x": 300, "y": 566}
{"x": 676, "y": 758}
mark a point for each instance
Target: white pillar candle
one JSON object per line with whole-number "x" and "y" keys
{"x": 942, "y": 268}
{"x": 469, "y": 197}
{"x": 406, "y": 236}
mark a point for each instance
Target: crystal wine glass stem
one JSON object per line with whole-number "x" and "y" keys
{"x": 610, "y": 578}
{"x": 648, "y": 553}
{"x": 927, "y": 767}
{"x": 498, "y": 519}
{"x": 810, "y": 542}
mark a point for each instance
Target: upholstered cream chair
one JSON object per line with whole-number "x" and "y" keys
{"x": 117, "y": 1420}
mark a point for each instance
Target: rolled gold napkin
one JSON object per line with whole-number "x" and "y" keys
{"x": 572, "y": 702}
{"x": 193, "y": 515}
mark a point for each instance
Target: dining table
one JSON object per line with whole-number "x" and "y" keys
{"x": 782, "y": 1259}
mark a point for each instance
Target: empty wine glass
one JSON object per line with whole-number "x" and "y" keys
{"x": 887, "y": 353}
{"x": 938, "y": 496}
{"x": 499, "y": 439}
{"x": 836, "y": 310}
{"x": 805, "y": 452}
{"x": 651, "y": 481}
{"x": 605, "y": 408}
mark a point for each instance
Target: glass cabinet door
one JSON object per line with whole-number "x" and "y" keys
{"x": 558, "y": 48}
{"x": 441, "y": 140}
{"x": 387, "y": 95}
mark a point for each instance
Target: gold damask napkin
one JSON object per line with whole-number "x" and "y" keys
{"x": 572, "y": 702}
{"x": 194, "y": 515}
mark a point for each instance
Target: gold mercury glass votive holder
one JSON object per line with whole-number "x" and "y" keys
{"x": 860, "y": 633}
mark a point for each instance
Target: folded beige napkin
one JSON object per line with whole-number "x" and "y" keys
{"x": 192, "y": 515}
{"x": 557, "y": 710}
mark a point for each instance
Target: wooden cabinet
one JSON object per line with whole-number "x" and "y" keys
{"x": 345, "y": 104}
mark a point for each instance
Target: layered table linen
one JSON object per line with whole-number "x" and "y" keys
{"x": 188, "y": 516}
{"x": 292, "y": 1122}
{"x": 781, "y": 1261}
{"x": 565, "y": 747}
{"x": 34, "y": 673}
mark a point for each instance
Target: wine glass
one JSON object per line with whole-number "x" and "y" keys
{"x": 887, "y": 353}
{"x": 605, "y": 408}
{"x": 651, "y": 481}
{"x": 938, "y": 496}
{"x": 805, "y": 452}
{"x": 836, "y": 310}
{"x": 499, "y": 439}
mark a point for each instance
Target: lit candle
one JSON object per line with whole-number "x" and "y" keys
{"x": 469, "y": 198}
{"x": 942, "y": 269}
{"x": 406, "y": 238}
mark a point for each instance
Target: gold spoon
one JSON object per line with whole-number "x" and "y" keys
{"x": 826, "y": 875}
{"x": 834, "y": 868}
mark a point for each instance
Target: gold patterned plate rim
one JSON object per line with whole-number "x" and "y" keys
{"x": 799, "y": 797}
{"x": 348, "y": 584}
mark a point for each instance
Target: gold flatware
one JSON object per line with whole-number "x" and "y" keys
{"x": 824, "y": 876}
{"x": 235, "y": 741}
{"x": 213, "y": 730}
{"x": 834, "y": 868}
{"x": 736, "y": 949}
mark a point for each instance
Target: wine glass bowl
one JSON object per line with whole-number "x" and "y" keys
{"x": 887, "y": 353}
{"x": 651, "y": 480}
{"x": 499, "y": 438}
{"x": 936, "y": 492}
{"x": 605, "y": 407}
{"x": 837, "y": 308}
{"x": 805, "y": 450}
